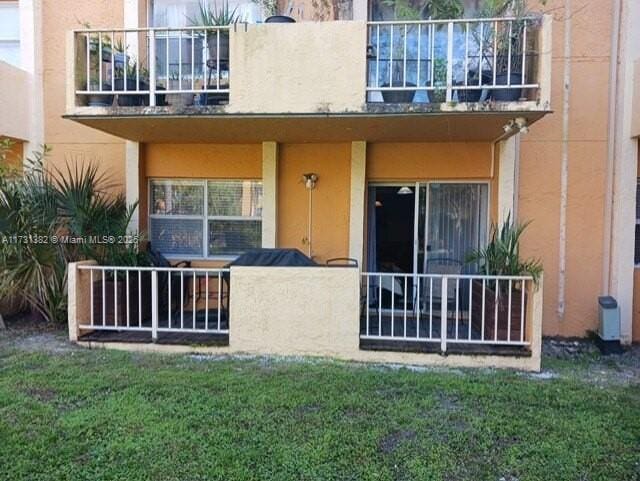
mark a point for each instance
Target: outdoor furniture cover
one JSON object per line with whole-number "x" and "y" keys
{"x": 273, "y": 258}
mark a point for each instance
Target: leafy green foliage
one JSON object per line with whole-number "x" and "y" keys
{"x": 501, "y": 256}
{"x": 216, "y": 16}
{"x": 121, "y": 416}
{"x": 39, "y": 211}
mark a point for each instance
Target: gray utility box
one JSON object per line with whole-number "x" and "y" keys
{"x": 609, "y": 319}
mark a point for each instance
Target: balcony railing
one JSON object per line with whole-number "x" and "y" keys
{"x": 467, "y": 60}
{"x": 157, "y": 300}
{"x": 470, "y": 62}
{"x": 446, "y": 309}
{"x": 152, "y": 66}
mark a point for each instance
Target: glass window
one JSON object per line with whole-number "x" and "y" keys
{"x": 176, "y": 197}
{"x": 10, "y": 33}
{"x": 183, "y": 212}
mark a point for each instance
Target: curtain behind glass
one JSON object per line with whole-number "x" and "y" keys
{"x": 457, "y": 225}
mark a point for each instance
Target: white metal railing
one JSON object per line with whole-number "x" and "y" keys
{"x": 445, "y": 309}
{"x": 152, "y": 66}
{"x": 158, "y": 300}
{"x": 464, "y": 60}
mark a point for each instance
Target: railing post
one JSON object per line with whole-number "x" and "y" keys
{"x": 449, "y": 61}
{"x": 443, "y": 315}
{"x": 152, "y": 68}
{"x": 154, "y": 305}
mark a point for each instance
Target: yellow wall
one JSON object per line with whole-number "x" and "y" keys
{"x": 540, "y": 170}
{"x": 332, "y": 163}
{"x": 14, "y": 155}
{"x": 70, "y": 140}
{"x": 432, "y": 161}
{"x": 413, "y": 161}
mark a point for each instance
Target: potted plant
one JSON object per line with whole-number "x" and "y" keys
{"x": 412, "y": 10}
{"x": 501, "y": 257}
{"x": 217, "y": 17}
{"x": 502, "y": 47}
{"x": 271, "y": 14}
{"x": 97, "y": 99}
{"x": 439, "y": 94}
{"x": 134, "y": 77}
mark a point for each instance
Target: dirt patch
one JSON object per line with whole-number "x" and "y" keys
{"x": 394, "y": 440}
{"x": 36, "y": 337}
{"x": 588, "y": 364}
{"x": 448, "y": 402}
{"x": 44, "y": 395}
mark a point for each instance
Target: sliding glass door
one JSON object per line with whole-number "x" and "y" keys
{"x": 425, "y": 227}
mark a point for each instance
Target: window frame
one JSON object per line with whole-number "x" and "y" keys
{"x": 7, "y": 40}
{"x": 204, "y": 217}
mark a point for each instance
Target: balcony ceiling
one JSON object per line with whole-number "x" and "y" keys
{"x": 301, "y": 128}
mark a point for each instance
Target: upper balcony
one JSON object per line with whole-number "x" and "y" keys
{"x": 404, "y": 80}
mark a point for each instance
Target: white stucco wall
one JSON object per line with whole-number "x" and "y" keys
{"x": 15, "y": 102}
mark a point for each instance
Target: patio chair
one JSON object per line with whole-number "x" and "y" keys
{"x": 444, "y": 266}
{"x": 158, "y": 260}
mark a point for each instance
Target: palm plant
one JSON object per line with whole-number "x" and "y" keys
{"x": 215, "y": 16}
{"x": 40, "y": 209}
{"x": 501, "y": 256}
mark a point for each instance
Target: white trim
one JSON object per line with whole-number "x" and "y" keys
{"x": 132, "y": 181}
{"x": 507, "y": 158}
{"x": 269, "y": 194}
{"x": 357, "y": 201}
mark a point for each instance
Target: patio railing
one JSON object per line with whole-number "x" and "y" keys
{"x": 465, "y": 60}
{"x": 152, "y": 66}
{"x": 446, "y": 309}
{"x": 157, "y": 300}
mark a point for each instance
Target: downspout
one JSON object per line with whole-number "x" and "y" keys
{"x": 611, "y": 146}
{"x": 564, "y": 169}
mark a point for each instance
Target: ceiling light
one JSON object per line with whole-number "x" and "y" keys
{"x": 404, "y": 190}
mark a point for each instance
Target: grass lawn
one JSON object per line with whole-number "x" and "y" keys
{"x": 75, "y": 414}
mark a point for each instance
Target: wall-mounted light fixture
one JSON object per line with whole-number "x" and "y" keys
{"x": 310, "y": 180}
{"x": 519, "y": 123}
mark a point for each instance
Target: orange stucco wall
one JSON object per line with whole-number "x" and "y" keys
{"x": 332, "y": 163}
{"x": 71, "y": 141}
{"x": 15, "y": 153}
{"x": 540, "y": 170}
{"x": 413, "y": 161}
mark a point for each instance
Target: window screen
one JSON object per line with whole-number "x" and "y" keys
{"x": 193, "y": 218}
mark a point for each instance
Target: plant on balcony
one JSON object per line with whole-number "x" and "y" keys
{"x": 503, "y": 46}
{"x": 501, "y": 257}
{"x": 217, "y": 16}
{"x": 424, "y": 9}
{"x": 439, "y": 94}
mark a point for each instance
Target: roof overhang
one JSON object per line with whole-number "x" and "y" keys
{"x": 300, "y": 128}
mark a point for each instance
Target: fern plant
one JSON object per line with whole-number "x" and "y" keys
{"x": 501, "y": 256}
